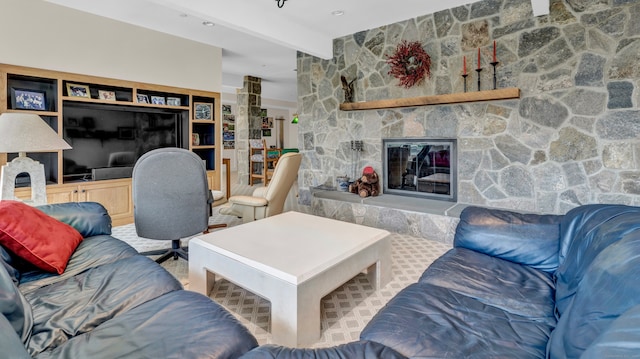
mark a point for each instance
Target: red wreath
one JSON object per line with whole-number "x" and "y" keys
{"x": 410, "y": 63}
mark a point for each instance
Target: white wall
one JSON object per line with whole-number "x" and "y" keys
{"x": 43, "y": 35}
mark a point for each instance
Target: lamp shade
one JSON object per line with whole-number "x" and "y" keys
{"x": 25, "y": 132}
{"x": 295, "y": 119}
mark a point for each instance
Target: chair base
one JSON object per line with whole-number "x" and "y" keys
{"x": 175, "y": 251}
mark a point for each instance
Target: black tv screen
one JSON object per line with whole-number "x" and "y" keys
{"x": 108, "y": 139}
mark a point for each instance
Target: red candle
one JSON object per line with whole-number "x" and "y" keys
{"x": 479, "y": 59}
{"x": 464, "y": 65}
{"x": 494, "y": 51}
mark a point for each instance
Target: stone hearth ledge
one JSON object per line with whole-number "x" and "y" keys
{"x": 419, "y": 217}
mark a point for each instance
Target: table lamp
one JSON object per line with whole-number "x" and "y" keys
{"x": 22, "y": 133}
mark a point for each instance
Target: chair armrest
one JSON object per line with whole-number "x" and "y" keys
{"x": 260, "y": 192}
{"x": 248, "y": 201}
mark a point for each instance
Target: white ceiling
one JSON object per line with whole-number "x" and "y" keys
{"x": 258, "y": 38}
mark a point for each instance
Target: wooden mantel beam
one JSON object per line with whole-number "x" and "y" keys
{"x": 489, "y": 95}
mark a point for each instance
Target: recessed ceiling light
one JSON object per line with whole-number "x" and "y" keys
{"x": 337, "y": 13}
{"x": 183, "y": 15}
{"x": 208, "y": 23}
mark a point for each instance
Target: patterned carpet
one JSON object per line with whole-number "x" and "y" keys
{"x": 344, "y": 312}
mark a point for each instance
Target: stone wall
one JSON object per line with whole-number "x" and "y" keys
{"x": 248, "y": 122}
{"x": 572, "y": 138}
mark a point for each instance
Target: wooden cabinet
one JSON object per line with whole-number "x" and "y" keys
{"x": 90, "y": 113}
{"x": 114, "y": 195}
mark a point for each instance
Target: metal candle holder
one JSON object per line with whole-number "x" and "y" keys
{"x": 479, "y": 71}
{"x": 495, "y": 63}
{"x": 465, "y": 82}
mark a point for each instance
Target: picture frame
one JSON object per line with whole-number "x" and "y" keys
{"x": 28, "y": 100}
{"x": 158, "y": 100}
{"x": 266, "y": 133}
{"x": 142, "y": 98}
{"x": 107, "y": 95}
{"x": 78, "y": 90}
{"x": 126, "y": 133}
{"x": 226, "y": 109}
{"x": 203, "y": 111}
{"x": 173, "y": 101}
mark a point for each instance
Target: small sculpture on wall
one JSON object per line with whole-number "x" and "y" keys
{"x": 348, "y": 89}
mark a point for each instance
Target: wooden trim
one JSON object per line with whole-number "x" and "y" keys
{"x": 490, "y": 95}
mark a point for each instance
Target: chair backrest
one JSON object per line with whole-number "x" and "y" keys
{"x": 283, "y": 177}
{"x": 170, "y": 194}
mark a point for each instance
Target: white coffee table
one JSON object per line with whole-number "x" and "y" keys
{"x": 292, "y": 260}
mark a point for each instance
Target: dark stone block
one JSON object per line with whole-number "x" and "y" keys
{"x": 485, "y": 8}
{"x": 543, "y": 111}
{"x": 359, "y": 37}
{"x": 461, "y": 13}
{"x": 620, "y": 94}
{"x": 590, "y": 70}
{"x": 532, "y": 41}
{"x": 513, "y": 28}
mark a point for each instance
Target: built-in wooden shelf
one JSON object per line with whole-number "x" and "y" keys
{"x": 490, "y": 95}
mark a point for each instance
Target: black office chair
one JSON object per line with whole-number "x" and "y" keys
{"x": 170, "y": 198}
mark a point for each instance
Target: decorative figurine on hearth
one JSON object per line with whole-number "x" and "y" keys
{"x": 367, "y": 185}
{"x": 348, "y": 89}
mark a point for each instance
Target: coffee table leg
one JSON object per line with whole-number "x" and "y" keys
{"x": 200, "y": 279}
{"x": 379, "y": 273}
{"x": 295, "y": 317}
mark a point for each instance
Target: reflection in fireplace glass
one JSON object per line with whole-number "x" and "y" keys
{"x": 420, "y": 167}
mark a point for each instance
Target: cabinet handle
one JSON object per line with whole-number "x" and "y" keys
{"x": 83, "y": 191}
{"x": 75, "y": 191}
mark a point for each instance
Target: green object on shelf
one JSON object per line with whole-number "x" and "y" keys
{"x": 287, "y": 150}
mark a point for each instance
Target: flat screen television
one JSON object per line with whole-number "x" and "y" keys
{"x": 108, "y": 139}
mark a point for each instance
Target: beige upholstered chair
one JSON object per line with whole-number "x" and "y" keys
{"x": 267, "y": 201}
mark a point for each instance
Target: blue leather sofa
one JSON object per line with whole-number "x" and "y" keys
{"x": 110, "y": 302}
{"x": 515, "y": 286}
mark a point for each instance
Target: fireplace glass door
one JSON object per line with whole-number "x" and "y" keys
{"x": 420, "y": 167}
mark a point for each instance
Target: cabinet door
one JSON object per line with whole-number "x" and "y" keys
{"x": 62, "y": 194}
{"x": 115, "y": 196}
{"x": 55, "y": 194}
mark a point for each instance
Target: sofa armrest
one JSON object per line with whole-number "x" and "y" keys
{"x": 528, "y": 239}
{"x": 10, "y": 343}
{"x": 360, "y": 349}
{"x": 88, "y": 218}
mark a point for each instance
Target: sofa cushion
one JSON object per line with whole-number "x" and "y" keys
{"x": 620, "y": 340}
{"x": 36, "y": 237}
{"x": 88, "y": 218}
{"x": 81, "y": 303}
{"x": 529, "y": 239}
{"x": 467, "y": 302}
{"x": 607, "y": 288}
{"x": 14, "y": 306}
{"x": 10, "y": 343}
{"x": 363, "y": 349}
{"x": 180, "y": 324}
{"x": 92, "y": 252}
{"x": 505, "y": 285}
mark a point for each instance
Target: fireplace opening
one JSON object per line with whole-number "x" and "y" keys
{"x": 420, "y": 167}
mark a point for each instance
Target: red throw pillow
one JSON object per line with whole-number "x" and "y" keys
{"x": 36, "y": 237}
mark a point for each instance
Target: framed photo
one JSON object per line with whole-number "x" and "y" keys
{"x": 107, "y": 95}
{"x": 226, "y": 109}
{"x": 142, "y": 98}
{"x": 267, "y": 122}
{"x": 125, "y": 133}
{"x": 28, "y": 100}
{"x": 266, "y": 133}
{"x": 76, "y": 90}
{"x": 173, "y": 101}
{"x": 157, "y": 100}
{"x": 202, "y": 111}
{"x": 263, "y": 112}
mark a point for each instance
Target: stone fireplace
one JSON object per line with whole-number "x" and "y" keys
{"x": 420, "y": 167}
{"x": 571, "y": 138}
